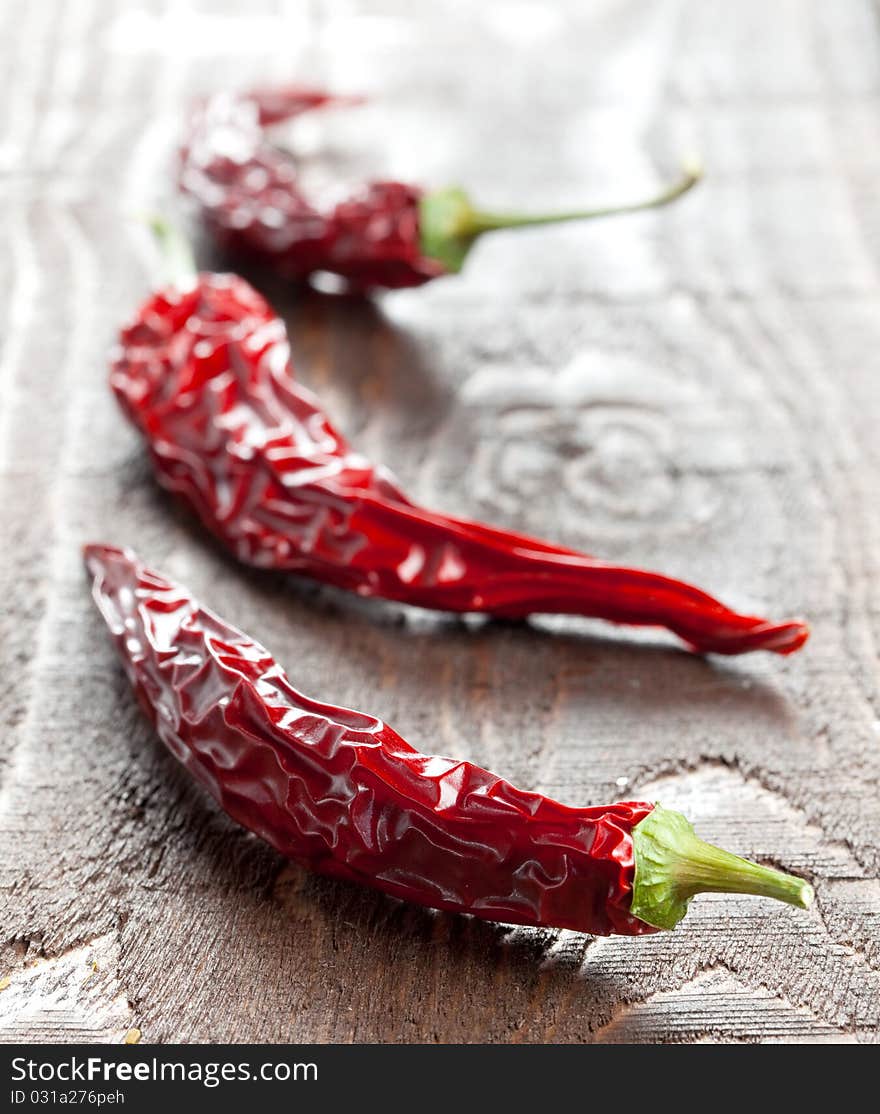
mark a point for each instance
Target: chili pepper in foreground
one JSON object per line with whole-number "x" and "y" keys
{"x": 387, "y": 234}
{"x": 204, "y": 373}
{"x": 343, "y": 794}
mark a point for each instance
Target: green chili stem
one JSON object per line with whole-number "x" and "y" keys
{"x": 480, "y": 221}
{"x": 672, "y": 864}
{"x": 178, "y": 262}
{"x": 449, "y": 225}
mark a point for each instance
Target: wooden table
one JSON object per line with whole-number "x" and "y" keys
{"x": 694, "y": 390}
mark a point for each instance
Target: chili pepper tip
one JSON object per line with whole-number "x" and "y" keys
{"x": 790, "y": 637}
{"x": 94, "y": 553}
{"x": 98, "y": 557}
{"x": 777, "y": 638}
{"x": 783, "y": 638}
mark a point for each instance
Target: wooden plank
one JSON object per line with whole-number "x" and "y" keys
{"x": 694, "y": 390}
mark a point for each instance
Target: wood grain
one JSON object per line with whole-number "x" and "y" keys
{"x": 694, "y": 390}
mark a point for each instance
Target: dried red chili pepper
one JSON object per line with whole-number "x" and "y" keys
{"x": 343, "y": 794}
{"x": 204, "y": 373}
{"x": 387, "y": 234}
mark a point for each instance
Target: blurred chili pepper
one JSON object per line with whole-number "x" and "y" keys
{"x": 343, "y": 794}
{"x": 204, "y": 373}
{"x": 386, "y": 234}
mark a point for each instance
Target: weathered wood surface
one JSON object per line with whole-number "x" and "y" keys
{"x": 694, "y": 390}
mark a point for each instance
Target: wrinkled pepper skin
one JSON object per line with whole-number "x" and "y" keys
{"x": 250, "y": 197}
{"x": 341, "y": 793}
{"x": 204, "y": 373}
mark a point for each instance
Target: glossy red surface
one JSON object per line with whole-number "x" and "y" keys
{"x": 251, "y": 197}
{"x": 342, "y": 793}
{"x": 205, "y": 375}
